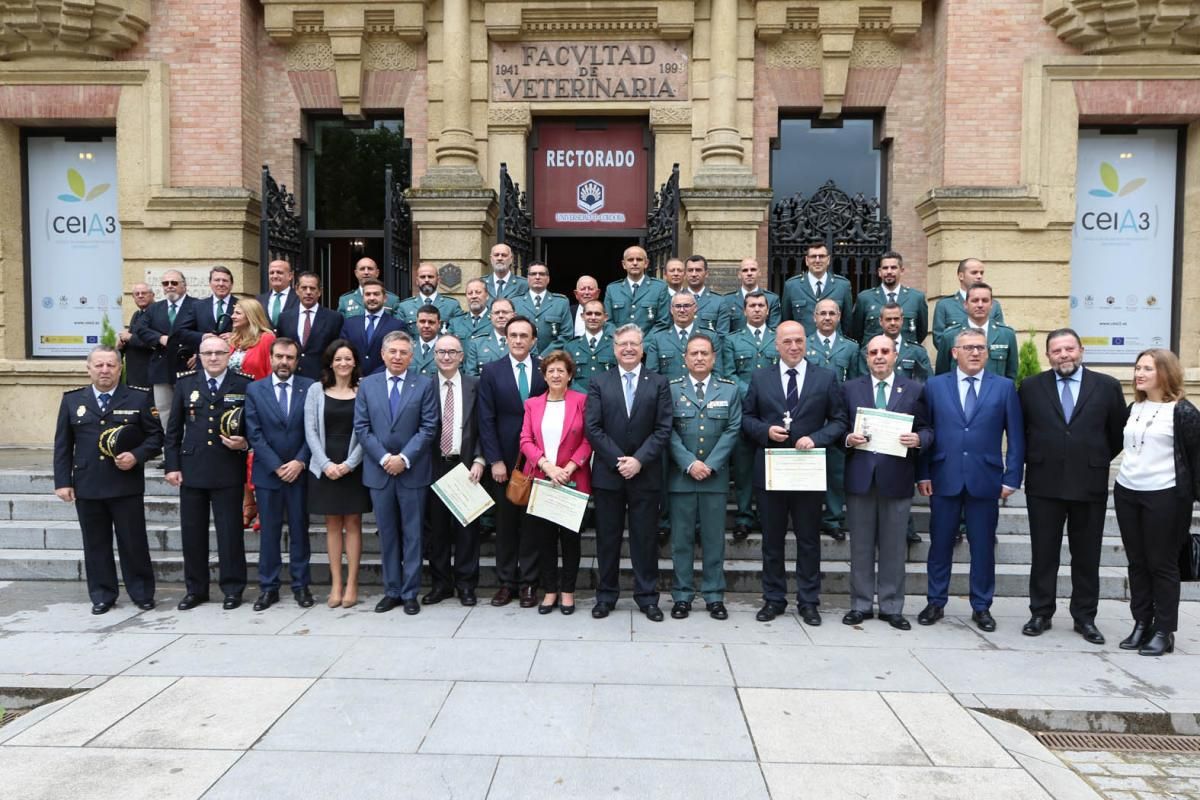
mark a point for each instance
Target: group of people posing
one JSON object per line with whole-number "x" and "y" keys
{"x": 655, "y": 400}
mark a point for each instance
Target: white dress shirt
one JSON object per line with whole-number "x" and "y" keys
{"x": 300, "y": 321}
{"x": 962, "y": 385}
{"x": 528, "y": 362}
{"x": 812, "y": 282}
{"x": 800, "y": 371}
{"x": 580, "y": 328}
{"x": 890, "y": 380}
{"x": 552, "y": 428}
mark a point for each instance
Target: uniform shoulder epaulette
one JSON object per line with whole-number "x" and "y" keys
{"x": 848, "y": 339}
{"x": 77, "y": 389}
{"x": 1000, "y": 325}
{"x": 842, "y": 278}
{"x": 146, "y": 389}
{"x": 186, "y": 373}
{"x": 677, "y": 380}
{"x": 245, "y": 375}
{"x": 726, "y": 380}
{"x": 558, "y": 294}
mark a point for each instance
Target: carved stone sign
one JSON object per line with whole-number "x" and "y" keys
{"x": 589, "y": 71}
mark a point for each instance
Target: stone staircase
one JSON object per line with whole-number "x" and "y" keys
{"x": 40, "y": 540}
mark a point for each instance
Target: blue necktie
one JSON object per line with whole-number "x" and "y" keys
{"x": 104, "y": 398}
{"x": 793, "y": 393}
{"x": 394, "y": 395}
{"x": 971, "y": 399}
{"x": 283, "y": 404}
{"x": 1068, "y": 400}
{"x": 212, "y": 385}
{"x": 371, "y": 320}
{"x": 628, "y": 393}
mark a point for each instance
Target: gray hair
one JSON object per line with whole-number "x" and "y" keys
{"x": 102, "y": 348}
{"x": 397, "y": 336}
{"x": 965, "y": 332}
{"x": 628, "y": 327}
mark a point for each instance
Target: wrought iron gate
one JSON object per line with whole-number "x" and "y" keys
{"x": 397, "y": 230}
{"x": 281, "y": 231}
{"x": 855, "y": 230}
{"x": 515, "y": 224}
{"x": 662, "y": 225}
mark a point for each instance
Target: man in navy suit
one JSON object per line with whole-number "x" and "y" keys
{"x": 166, "y": 329}
{"x": 213, "y": 314}
{"x": 366, "y": 332}
{"x": 880, "y": 486}
{"x": 275, "y": 427}
{"x": 311, "y": 324}
{"x": 396, "y": 419}
{"x": 504, "y": 386}
{"x": 281, "y": 297}
{"x": 794, "y": 404}
{"x": 629, "y": 416}
{"x": 965, "y": 471}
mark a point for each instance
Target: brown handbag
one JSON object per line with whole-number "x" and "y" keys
{"x": 519, "y": 485}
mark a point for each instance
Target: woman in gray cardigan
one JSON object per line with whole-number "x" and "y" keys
{"x": 335, "y": 486}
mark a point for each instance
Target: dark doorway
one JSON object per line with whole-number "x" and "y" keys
{"x": 571, "y": 256}
{"x": 334, "y": 259}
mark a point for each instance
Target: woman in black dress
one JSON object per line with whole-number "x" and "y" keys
{"x": 335, "y": 486}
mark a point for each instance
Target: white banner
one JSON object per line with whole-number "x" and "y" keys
{"x": 1123, "y": 244}
{"x": 74, "y": 243}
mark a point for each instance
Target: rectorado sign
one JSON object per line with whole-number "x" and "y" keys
{"x": 591, "y": 179}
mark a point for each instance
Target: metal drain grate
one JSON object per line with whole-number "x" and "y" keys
{"x": 1065, "y": 740}
{"x": 9, "y": 716}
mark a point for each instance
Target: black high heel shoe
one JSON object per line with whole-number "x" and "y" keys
{"x": 546, "y": 609}
{"x": 1160, "y": 643}
{"x": 1138, "y": 637}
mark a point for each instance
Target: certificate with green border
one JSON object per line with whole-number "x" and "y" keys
{"x": 791, "y": 470}
{"x": 466, "y": 500}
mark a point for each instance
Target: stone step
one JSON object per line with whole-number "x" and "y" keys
{"x": 1012, "y": 580}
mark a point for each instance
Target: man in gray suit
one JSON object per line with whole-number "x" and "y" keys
{"x": 396, "y": 419}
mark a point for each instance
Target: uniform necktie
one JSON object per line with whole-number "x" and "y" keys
{"x": 537, "y": 303}
{"x": 592, "y": 343}
{"x": 212, "y": 385}
{"x": 628, "y": 393}
{"x": 683, "y": 337}
{"x": 394, "y": 395}
{"x": 633, "y": 289}
{"x": 425, "y": 350}
{"x": 522, "y": 382}
{"x": 1068, "y": 400}
{"x": 977, "y": 329}
{"x": 104, "y": 398}
{"x": 758, "y": 335}
{"x": 220, "y": 309}
{"x": 307, "y": 327}
{"x": 171, "y": 311}
{"x": 371, "y": 320}
{"x": 428, "y": 301}
{"x": 971, "y": 399}
{"x": 276, "y": 304}
{"x": 700, "y": 391}
{"x": 881, "y": 394}
{"x": 281, "y": 387}
{"x": 448, "y": 419}
{"x": 826, "y": 341}
{"x": 891, "y": 297}
{"x": 793, "y": 394}
{"x": 818, "y": 288}
{"x": 500, "y": 288}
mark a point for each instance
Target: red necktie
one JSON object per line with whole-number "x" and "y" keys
{"x": 307, "y": 326}
{"x": 448, "y": 420}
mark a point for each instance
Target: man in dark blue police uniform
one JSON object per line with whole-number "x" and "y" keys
{"x": 108, "y": 491}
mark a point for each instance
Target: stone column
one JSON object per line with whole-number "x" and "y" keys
{"x": 456, "y": 154}
{"x": 722, "y": 151}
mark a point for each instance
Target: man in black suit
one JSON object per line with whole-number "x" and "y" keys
{"x": 504, "y": 386}
{"x": 795, "y": 404}
{"x": 137, "y": 354}
{"x": 629, "y": 418}
{"x": 214, "y": 314}
{"x": 108, "y": 491}
{"x": 281, "y": 297}
{"x": 1074, "y": 423}
{"x": 311, "y": 324}
{"x": 167, "y": 327}
{"x": 457, "y": 443}
{"x": 367, "y": 330}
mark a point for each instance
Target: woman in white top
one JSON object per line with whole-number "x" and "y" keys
{"x": 1154, "y": 491}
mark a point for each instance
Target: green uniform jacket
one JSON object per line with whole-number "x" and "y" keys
{"x": 664, "y": 351}
{"x": 1002, "y": 350}
{"x": 912, "y": 361}
{"x": 652, "y": 305}
{"x": 514, "y": 286}
{"x": 553, "y": 320}
{"x": 589, "y": 362}
{"x": 483, "y": 350}
{"x": 351, "y": 303}
{"x": 466, "y": 327}
{"x": 952, "y": 311}
{"x": 706, "y": 432}
{"x": 865, "y": 321}
{"x": 422, "y": 362}
{"x": 448, "y": 307}
{"x": 743, "y": 355}
{"x": 842, "y": 358}
{"x": 733, "y": 317}
{"x": 799, "y": 301}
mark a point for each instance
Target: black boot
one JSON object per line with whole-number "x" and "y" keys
{"x": 1140, "y": 634}
{"x": 1159, "y": 644}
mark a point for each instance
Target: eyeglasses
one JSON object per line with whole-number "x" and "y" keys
{"x": 817, "y": 256}
{"x": 447, "y": 353}
{"x": 171, "y": 283}
{"x": 972, "y": 348}
{"x": 213, "y": 353}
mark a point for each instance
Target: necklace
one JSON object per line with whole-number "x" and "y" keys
{"x": 1139, "y": 444}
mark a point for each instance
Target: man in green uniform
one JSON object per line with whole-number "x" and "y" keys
{"x": 429, "y": 327}
{"x": 637, "y": 298}
{"x": 665, "y": 346}
{"x": 865, "y": 324}
{"x": 747, "y": 349}
{"x": 732, "y": 319}
{"x": 549, "y": 311}
{"x": 486, "y": 349}
{"x": 708, "y": 422}
{"x": 802, "y": 292}
{"x": 427, "y": 294}
{"x": 475, "y": 321}
{"x": 1001, "y": 340}
{"x": 912, "y": 360}
{"x": 835, "y": 352}
{"x": 502, "y": 282}
{"x": 708, "y": 302}
{"x": 593, "y": 351}
{"x": 952, "y": 310}
{"x": 350, "y": 304}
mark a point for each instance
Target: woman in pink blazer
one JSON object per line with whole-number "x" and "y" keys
{"x": 556, "y": 449}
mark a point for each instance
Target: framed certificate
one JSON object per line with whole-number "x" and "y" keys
{"x": 559, "y": 504}
{"x": 882, "y": 429}
{"x": 791, "y": 470}
{"x": 466, "y": 500}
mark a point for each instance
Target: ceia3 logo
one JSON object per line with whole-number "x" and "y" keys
{"x": 1119, "y": 220}
{"x": 79, "y": 191}
{"x": 589, "y": 196}
{"x": 81, "y": 224}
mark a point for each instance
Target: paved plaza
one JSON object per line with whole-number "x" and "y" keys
{"x": 498, "y": 703}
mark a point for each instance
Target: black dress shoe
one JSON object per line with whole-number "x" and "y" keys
{"x": 913, "y": 537}
{"x": 1160, "y": 643}
{"x": 411, "y": 606}
{"x": 897, "y": 621}
{"x": 837, "y": 534}
{"x": 810, "y": 615}
{"x": 503, "y": 596}
{"x": 680, "y": 610}
{"x": 601, "y": 610}
{"x": 436, "y": 595}
{"x": 716, "y": 610}
{"x": 266, "y": 600}
{"x": 103, "y": 608}
{"x": 303, "y": 597}
{"x": 528, "y": 597}
{"x": 1037, "y": 625}
{"x": 567, "y": 610}
{"x": 653, "y": 612}
{"x": 740, "y": 532}
{"x": 231, "y": 602}
{"x": 190, "y": 601}
{"x": 386, "y": 604}
{"x": 146, "y": 605}
{"x": 543, "y": 608}
{"x": 1089, "y": 632}
{"x": 930, "y": 614}
{"x": 983, "y": 620}
{"x": 1138, "y": 637}
{"x": 769, "y": 611}
{"x": 856, "y": 617}
{"x": 467, "y": 597}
